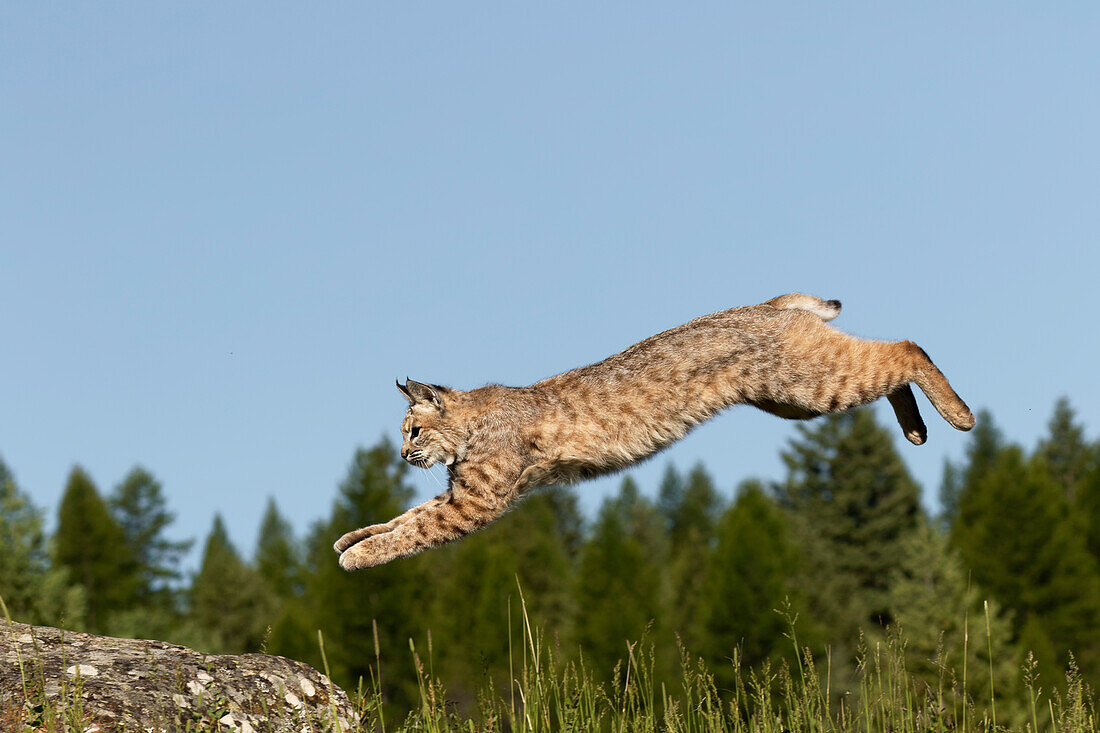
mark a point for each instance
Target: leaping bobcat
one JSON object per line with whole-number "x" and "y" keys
{"x": 498, "y": 442}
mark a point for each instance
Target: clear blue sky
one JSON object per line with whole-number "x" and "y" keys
{"x": 226, "y": 228}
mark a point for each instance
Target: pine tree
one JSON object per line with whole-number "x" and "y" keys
{"x": 544, "y": 537}
{"x": 1015, "y": 534}
{"x": 619, "y": 582}
{"x": 692, "y": 517}
{"x": 670, "y": 494}
{"x": 941, "y": 613}
{"x": 278, "y": 555}
{"x": 93, "y": 547}
{"x": 23, "y": 562}
{"x": 346, "y": 606}
{"x": 950, "y": 489}
{"x": 139, "y": 507}
{"x": 1087, "y": 508}
{"x": 853, "y": 502}
{"x": 690, "y": 514}
{"x": 748, "y": 577}
{"x": 32, "y": 591}
{"x": 228, "y": 600}
{"x": 568, "y": 521}
{"x": 479, "y": 581}
{"x": 985, "y": 445}
{"x": 1068, "y": 456}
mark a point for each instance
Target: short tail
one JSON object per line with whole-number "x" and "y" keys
{"x": 826, "y": 310}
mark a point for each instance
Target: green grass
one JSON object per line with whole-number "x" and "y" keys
{"x": 549, "y": 695}
{"x": 795, "y": 694}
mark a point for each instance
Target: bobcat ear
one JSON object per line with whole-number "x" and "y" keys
{"x": 419, "y": 392}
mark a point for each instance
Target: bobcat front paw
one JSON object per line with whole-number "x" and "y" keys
{"x": 365, "y": 554}
{"x": 357, "y": 536}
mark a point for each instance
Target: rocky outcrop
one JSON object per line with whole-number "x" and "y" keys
{"x": 89, "y": 683}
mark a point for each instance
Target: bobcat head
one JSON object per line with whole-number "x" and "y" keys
{"x": 429, "y": 432}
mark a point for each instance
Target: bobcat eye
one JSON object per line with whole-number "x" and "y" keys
{"x": 413, "y": 432}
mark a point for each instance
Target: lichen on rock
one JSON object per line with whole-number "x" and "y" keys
{"x": 127, "y": 684}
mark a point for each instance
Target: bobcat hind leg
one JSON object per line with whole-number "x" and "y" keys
{"x": 905, "y": 408}
{"x": 938, "y": 390}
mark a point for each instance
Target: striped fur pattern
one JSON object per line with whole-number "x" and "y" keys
{"x": 497, "y": 442}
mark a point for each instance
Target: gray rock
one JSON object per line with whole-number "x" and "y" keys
{"x": 85, "y": 682}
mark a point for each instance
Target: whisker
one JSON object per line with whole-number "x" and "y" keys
{"x": 420, "y": 479}
{"x": 432, "y": 474}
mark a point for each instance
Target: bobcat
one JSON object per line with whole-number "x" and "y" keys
{"x": 498, "y": 442}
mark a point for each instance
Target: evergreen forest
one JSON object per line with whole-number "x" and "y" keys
{"x": 837, "y": 557}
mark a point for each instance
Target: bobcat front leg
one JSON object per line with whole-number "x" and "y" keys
{"x": 465, "y": 509}
{"x": 357, "y": 535}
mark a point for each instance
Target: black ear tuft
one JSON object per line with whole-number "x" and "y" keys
{"x": 405, "y": 391}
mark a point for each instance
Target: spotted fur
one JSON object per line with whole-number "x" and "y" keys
{"x": 497, "y": 442}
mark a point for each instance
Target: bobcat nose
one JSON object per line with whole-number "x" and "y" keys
{"x": 404, "y": 453}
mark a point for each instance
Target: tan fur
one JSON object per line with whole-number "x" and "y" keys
{"x": 501, "y": 441}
